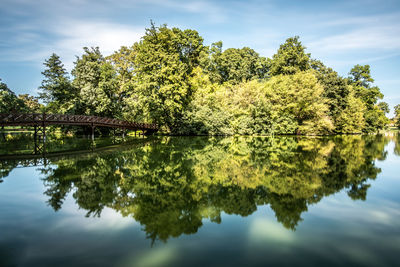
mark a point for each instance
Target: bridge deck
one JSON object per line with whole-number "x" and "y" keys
{"x": 64, "y": 119}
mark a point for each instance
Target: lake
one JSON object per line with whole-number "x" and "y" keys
{"x": 201, "y": 201}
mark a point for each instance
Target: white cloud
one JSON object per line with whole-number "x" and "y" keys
{"x": 109, "y": 37}
{"x": 380, "y": 38}
{"x": 69, "y": 37}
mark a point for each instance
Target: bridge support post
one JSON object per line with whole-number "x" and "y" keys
{"x": 93, "y": 131}
{"x": 44, "y": 126}
{"x": 39, "y": 138}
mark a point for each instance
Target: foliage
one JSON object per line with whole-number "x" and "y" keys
{"x": 361, "y": 81}
{"x": 163, "y": 64}
{"x": 170, "y": 78}
{"x": 384, "y": 107}
{"x": 351, "y": 119}
{"x": 285, "y": 104}
{"x": 31, "y": 103}
{"x": 56, "y": 89}
{"x": 96, "y": 83}
{"x": 290, "y": 58}
{"x": 335, "y": 88}
{"x": 300, "y": 97}
{"x": 9, "y": 102}
{"x": 235, "y": 65}
{"x": 397, "y": 115}
{"x": 122, "y": 61}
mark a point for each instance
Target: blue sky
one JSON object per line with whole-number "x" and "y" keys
{"x": 340, "y": 33}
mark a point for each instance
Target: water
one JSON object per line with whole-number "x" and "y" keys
{"x": 202, "y": 201}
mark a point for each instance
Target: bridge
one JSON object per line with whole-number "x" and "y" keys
{"x": 40, "y": 121}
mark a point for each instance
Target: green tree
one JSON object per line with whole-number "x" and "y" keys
{"x": 384, "y": 107}
{"x": 164, "y": 62}
{"x": 237, "y": 65}
{"x": 56, "y": 89}
{"x": 122, "y": 62}
{"x": 31, "y": 103}
{"x": 361, "y": 81}
{"x": 208, "y": 61}
{"x": 97, "y": 84}
{"x": 335, "y": 87}
{"x": 9, "y": 102}
{"x": 397, "y": 110}
{"x": 290, "y": 58}
{"x": 397, "y": 115}
{"x": 351, "y": 119}
{"x": 360, "y": 75}
{"x": 299, "y": 100}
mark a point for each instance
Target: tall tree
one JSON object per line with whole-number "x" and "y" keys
{"x": 164, "y": 62}
{"x": 290, "y": 58}
{"x": 361, "y": 80}
{"x": 397, "y": 115}
{"x": 397, "y": 110}
{"x": 208, "y": 61}
{"x": 335, "y": 88}
{"x": 95, "y": 80}
{"x": 56, "y": 90}
{"x": 122, "y": 61}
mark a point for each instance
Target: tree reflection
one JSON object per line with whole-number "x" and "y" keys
{"x": 173, "y": 184}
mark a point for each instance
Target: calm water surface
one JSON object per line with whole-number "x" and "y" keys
{"x": 173, "y": 201}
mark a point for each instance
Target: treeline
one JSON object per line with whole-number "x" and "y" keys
{"x": 11, "y": 103}
{"x": 171, "y": 78}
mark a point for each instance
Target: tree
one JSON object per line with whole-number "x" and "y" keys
{"x": 96, "y": 81}
{"x": 361, "y": 76}
{"x": 9, "y": 102}
{"x": 335, "y": 87}
{"x": 290, "y": 58}
{"x": 228, "y": 109}
{"x": 396, "y": 118}
{"x": 384, "y": 107}
{"x": 236, "y": 65}
{"x": 299, "y": 104}
{"x": 208, "y": 61}
{"x": 397, "y": 110}
{"x": 31, "y": 103}
{"x": 351, "y": 119}
{"x": 122, "y": 62}
{"x": 164, "y": 62}
{"x": 361, "y": 81}
{"x": 56, "y": 90}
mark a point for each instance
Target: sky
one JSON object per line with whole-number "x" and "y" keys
{"x": 340, "y": 33}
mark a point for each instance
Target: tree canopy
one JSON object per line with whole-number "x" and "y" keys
{"x": 171, "y": 78}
